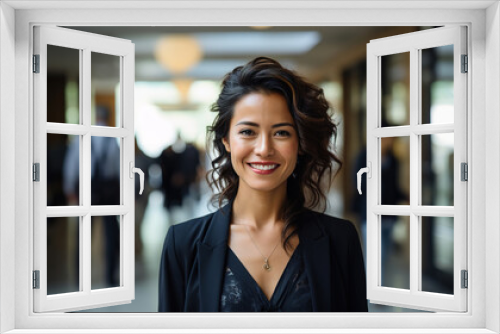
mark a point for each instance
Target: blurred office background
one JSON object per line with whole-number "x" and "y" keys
{"x": 178, "y": 71}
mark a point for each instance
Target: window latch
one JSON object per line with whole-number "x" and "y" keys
{"x": 133, "y": 170}
{"x": 368, "y": 171}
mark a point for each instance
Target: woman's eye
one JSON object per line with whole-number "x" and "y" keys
{"x": 283, "y": 133}
{"x": 246, "y": 132}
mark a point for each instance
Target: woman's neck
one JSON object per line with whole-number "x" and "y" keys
{"x": 259, "y": 209}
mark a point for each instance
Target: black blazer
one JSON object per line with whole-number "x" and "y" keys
{"x": 194, "y": 254}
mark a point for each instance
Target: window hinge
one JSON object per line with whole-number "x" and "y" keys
{"x": 465, "y": 279}
{"x": 36, "y": 279}
{"x": 464, "y": 171}
{"x": 465, "y": 64}
{"x": 36, "y": 63}
{"x": 36, "y": 172}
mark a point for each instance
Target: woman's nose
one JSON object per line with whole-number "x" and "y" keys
{"x": 264, "y": 147}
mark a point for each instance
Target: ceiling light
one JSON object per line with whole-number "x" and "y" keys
{"x": 178, "y": 53}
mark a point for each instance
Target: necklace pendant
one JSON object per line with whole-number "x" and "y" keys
{"x": 266, "y": 265}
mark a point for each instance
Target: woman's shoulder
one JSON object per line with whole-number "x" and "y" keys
{"x": 334, "y": 226}
{"x": 192, "y": 229}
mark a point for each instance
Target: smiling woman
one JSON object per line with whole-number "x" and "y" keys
{"x": 265, "y": 249}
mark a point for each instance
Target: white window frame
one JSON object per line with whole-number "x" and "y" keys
{"x": 16, "y": 126}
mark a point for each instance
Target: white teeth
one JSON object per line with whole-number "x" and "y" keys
{"x": 263, "y": 167}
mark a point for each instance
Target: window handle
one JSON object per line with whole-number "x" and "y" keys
{"x": 133, "y": 170}
{"x": 368, "y": 171}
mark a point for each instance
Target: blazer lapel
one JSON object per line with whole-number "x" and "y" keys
{"x": 212, "y": 255}
{"x": 317, "y": 258}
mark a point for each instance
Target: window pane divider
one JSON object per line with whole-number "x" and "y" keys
{"x": 424, "y": 129}
{"x": 109, "y": 210}
{"x": 407, "y": 130}
{"x": 67, "y": 211}
{"x": 81, "y": 130}
{"x": 110, "y": 132}
{"x": 393, "y": 131}
{"x": 392, "y": 210}
{"x": 86, "y": 255}
{"x": 433, "y": 211}
{"x": 66, "y": 129}
{"x": 80, "y": 211}
{"x": 415, "y": 170}
{"x": 418, "y": 210}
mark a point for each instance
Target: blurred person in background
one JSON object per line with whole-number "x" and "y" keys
{"x": 264, "y": 249}
{"x": 180, "y": 163}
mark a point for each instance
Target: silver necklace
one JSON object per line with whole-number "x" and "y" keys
{"x": 266, "y": 265}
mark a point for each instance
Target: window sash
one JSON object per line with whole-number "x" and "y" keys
{"x": 414, "y": 298}
{"x": 86, "y": 43}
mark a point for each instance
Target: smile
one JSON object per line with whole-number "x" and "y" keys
{"x": 263, "y": 168}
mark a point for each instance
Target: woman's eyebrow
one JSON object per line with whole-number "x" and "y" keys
{"x": 257, "y": 125}
{"x": 247, "y": 123}
{"x": 282, "y": 124}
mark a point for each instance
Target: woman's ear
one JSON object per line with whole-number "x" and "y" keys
{"x": 226, "y": 145}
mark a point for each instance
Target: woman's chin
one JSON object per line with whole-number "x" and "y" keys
{"x": 265, "y": 187}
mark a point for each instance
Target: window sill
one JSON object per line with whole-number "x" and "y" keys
{"x": 263, "y": 331}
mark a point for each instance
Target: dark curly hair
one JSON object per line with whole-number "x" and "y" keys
{"x": 315, "y": 128}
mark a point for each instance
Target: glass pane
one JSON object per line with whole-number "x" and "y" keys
{"x": 63, "y": 169}
{"x": 437, "y": 254}
{"x": 395, "y": 249}
{"x": 105, "y": 169}
{"x": 395, "y": 94}
{"x": 437, "y": 85}
{"x": 395, "y": 170}
{"x": 105, "y": 258}
{"x": 63, "y": 255}
{"x": 437, "y": 169}
{"x": 63, "y": 81}
{"x": 105, "y": 83}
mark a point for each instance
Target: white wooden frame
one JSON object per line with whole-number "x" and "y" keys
{"x": 16, "y": 127}
{"x": 413, "y": 43}
{"x": 86, "y": 43}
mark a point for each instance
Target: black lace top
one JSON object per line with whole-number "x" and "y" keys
{"x": 241, "y": 293}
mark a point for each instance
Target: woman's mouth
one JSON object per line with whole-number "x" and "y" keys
{"x": 263, "y": 169}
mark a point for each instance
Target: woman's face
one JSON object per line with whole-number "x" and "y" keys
{"x": 262, "y": 141}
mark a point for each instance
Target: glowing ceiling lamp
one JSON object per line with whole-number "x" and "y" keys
{"x": 178, "y": 53}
